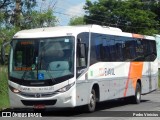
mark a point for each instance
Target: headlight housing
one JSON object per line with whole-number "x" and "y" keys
{"x": 14, "y": 89}
{"x": 66, "y": 88}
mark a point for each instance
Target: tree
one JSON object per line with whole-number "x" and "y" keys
{"x": 133, "y": 16}
{"x": 4, "y": 3}
{"x": 7, "y": 34}
{"x": 12, "y": 15}
{"x": 77, "y": 21}
{"x": 16, "y": 12}
{"x": 20, "y": 14}
{"x": 42, "y": 19}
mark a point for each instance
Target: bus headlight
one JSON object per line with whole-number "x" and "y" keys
{"x": 14, "y": 90}
{"x": 66, "y": 88}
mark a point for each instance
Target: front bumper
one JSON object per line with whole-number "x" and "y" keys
{"x": 58, "y": 100}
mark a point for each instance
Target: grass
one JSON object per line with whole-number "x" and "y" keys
{"x": 4, "y": 100}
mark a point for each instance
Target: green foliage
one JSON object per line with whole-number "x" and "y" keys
{"x": 4, "y": 100}
{"x": 77, "y": 21}
{"x": 7, "y": 34}
{"x": 132, "y": 16}
{"x": 41, "y": 19}
{"x": 16, "y": 12}
{"x": 1, "y": 18}
{"x": 13, "y": 18}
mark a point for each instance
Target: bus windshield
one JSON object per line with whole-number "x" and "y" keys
{"x": 42, "y": 59}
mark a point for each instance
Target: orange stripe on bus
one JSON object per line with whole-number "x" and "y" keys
{"x": 137, "y": 36}
{"x": 135, "y": 73}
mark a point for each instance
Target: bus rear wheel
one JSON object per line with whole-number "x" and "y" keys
{"x": 137, "y": 97}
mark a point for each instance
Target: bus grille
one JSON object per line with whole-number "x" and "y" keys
{"x": 38, "y": 95}
{"x": 38, "y": 102}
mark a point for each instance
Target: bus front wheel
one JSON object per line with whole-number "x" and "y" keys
{"x": 92, "y": 102}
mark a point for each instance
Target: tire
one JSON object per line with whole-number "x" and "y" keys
{"x": 90, "y": 107}
{"x": 137, "y": 97}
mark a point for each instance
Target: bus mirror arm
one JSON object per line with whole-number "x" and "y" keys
{"x": 3, "y": 52}
{"x": 81, "y": 71}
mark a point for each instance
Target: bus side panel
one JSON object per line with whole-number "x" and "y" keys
{"x": 108, "y": 89}
{"x": 146, "y": 88}
{"x": 104, "y": 88}
{"x": 112, "y": 78}
{"x": 83, "y": 89}
{"x": 154, "y": 75}
{"x": 131, "y": 90}
{"x": 150, "y": 77}
{"x": 145, "y": 84}
{"x": 114, "y": 88}
{"x": 145, "y": 78}
{"x": 119, "y": 83}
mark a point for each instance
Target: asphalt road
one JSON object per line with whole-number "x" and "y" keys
{"x": 115, "y": 109}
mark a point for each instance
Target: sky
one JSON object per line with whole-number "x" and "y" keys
{"x": 64, "y": 9}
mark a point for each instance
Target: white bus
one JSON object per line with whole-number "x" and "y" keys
{"x": 158, "y": 49}
{"x": 71, "y": 66}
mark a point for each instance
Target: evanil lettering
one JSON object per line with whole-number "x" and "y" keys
{"x": 106, "y": 71}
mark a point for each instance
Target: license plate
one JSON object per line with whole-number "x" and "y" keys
{"x": 39, "y": 106}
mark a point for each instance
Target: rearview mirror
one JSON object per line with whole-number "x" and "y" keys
{"x": 81, "y": 54}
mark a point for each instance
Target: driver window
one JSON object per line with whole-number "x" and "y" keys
{"x": 82, "y": 52}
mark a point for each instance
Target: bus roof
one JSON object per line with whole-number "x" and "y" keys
{"x": 74, "y": 30}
